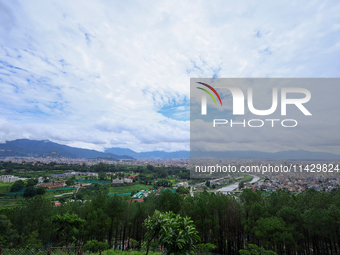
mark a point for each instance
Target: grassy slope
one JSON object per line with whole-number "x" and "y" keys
{"x": 130, "y": 188}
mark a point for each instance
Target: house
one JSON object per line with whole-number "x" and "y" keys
{"x": 138, "y": 200}
{"x": 74, "y": 173}
{"x": 51, "y": 185}
{"x": 117, "y": 182}
{"x": 85, "y": 184}
{"x": 57, "y": 203}
{"x": 121, "y": 181}
{"x": 184, "y": 184}
{"x": 133, "y": 176}
{"x": 8, "y": 178}
{"x": 128, "y": 181}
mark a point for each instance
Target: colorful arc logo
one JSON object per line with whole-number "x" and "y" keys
{"x": 213, "y": 90}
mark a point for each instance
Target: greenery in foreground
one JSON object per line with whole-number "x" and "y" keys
{"x": 304, "y": 223}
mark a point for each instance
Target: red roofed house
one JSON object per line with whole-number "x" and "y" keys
{"x": 57, "y": 203}
{"x": 139, "y": 200}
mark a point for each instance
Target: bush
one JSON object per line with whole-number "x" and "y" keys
{"x": 95, "y": 246}
{"x": 18, "y": 185}
{"x": 30, "y": 192}
{"x": 70, "y": 182}
{"x": 40, "y": 191}
{"x": 31, "y": 182}
{"x": 182, "y": 190}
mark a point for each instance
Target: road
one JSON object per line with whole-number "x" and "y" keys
{"x": 78, "y": 188}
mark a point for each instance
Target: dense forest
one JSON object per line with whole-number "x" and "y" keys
{"x": 307, "y": 223}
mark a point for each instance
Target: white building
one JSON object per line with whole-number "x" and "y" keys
{"x": 128, "y": 181}
{"x": 184, "y": 184}
{"x": 117, "y": 182}
{"x": 8, "y": 178}
{"x": 73, "y": 173}
{"x": 122, "y": 181}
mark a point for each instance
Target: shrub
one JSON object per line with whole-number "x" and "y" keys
{"x": 95, "y": 246}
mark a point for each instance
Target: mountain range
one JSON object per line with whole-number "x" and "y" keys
{"x": 281, "y": 155}
{"x": 34, "y": 148}
{"x": 150, "y": 154}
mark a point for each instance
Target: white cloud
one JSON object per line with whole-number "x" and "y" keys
{"x": 96, "y": 73}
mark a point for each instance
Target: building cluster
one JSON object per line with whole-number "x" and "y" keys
{"x": 73, "y": 173}
{"x": 182, "y": 184}
{"x": 297, "y": 184}
{"x": 53, "y": 185}
{"x": 10, "y": 178}
{"x": 139, "y": 197}
{"x": 121, "y": 181}
{"x": 141, "y": 162}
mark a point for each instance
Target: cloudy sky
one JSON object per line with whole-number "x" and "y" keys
{"x": 101, "y": 74}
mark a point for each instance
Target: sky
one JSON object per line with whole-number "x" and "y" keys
{"x": 102, "y": 74}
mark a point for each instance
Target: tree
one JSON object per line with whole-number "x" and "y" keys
{"x": 253, "y": 249}
{"x": 114, "y": 209}
{"x": 177, "y": 234}
{"x": 30, "y": 192}
{"x": 273, "y": 230}
{"x": 7, "y": 234}
{"x": 9, "y": 171}
{"x": 150, "y": 168}
{"x": 18, "y": 185}
{"x": 153, "y": 225}
{"x": 241, "y": 185}
{"x": 169, "y": 201}
{"x": 68, "y": 227}
{"x": 101, "y": 167}
{"x": 95, "y": 246}
{"x": 32, "y": 241}
{"x": 102, "y": 176}
{"x": 69, "y": 182}
{"x": 31, "y": 182}
{"x": 40, "y": 191}
{"x": 206, "y": 247}
{"x": 182, "y": 190}
{"x": 207, "y": 183}
{"x": 45, "y": 178}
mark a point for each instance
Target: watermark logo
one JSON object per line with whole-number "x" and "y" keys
{"x": 301, "y": 95}
{"x": 204, "y": 98}
{"x": 239, "y": 100}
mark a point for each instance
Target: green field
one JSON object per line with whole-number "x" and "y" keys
{"x": 5, "y": 187}
{"x": 247, "y": 178}
{"x": 128, "y": 188}
{"x": 9, "y": 202}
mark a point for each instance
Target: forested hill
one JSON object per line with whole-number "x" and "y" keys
{"x": 33, "y": 148}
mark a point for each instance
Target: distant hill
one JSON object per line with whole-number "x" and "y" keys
{"x": 33, "y": 148}
{"x": 150, "y": 154}
{"x": 282, "y": 155}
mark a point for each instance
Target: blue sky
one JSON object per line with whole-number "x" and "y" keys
{"x": 101, "y": 74}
